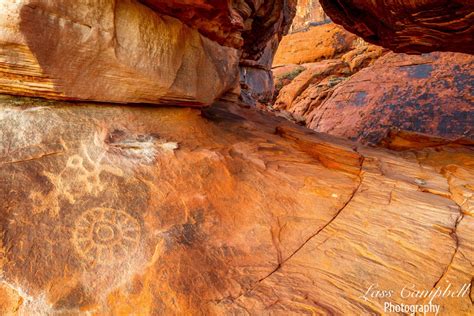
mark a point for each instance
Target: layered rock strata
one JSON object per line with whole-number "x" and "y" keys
{"x": 126, "y": 51}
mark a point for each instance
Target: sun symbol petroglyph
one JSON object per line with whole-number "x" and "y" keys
{"x": 106, "y": 236}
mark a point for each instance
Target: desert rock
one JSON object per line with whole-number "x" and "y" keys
{"x": 315, "y": 44}
{"x": 112, "y": 209}
{"x": 429, "y": 94}
{"x": 308, "y": 13}
{"x": 408, "y": 26}
{"x": 115, "y": 51}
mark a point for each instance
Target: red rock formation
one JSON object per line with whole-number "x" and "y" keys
{"x": 408, "y": 26}
{"x": 303, "y": 88}
{"x": 235, "y": 23}
{"x": 216, "y": 19}
{"x": 111, "y": 209}
{"x": 121, "y": 210}
{"x": 270, "y": 22}
{"x": 315, "y": 44}
{"x": 178, "y": 52}
{"x": 430, "y": 94}
{"x": 308, "y": 13}
{"x": 253, "y": 26}
{"x": 116, "y": 51}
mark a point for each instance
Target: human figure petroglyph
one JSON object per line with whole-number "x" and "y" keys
{"x": 80, "y": 176}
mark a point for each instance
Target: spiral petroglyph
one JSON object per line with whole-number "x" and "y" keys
{"x": 106, "y": 236}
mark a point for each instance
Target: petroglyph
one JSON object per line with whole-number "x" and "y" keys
{"x": 106, "y": 236}
{"x": 80, "y": 177}
{"x": 140, "y": 148}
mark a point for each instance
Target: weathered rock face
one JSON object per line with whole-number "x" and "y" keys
{"x": 178, "y": 52}
{"x": 309, "y": 65}
{"x": 302, "y": 88}
{"x": 254, "y": 27}
{"x": 247, "y": 24}
{"x": 430, "y": 94}
{"x": 117, "y": 51}
{"x": 317, "y": 43}
{"x": 124, "y": 210}
{"x": 272, "y": 20}
{"x": 408, "y": 26}
{"x": 219, "y": 20}
{"x": 308, "y": 12}
{"x": 346, "y": 94}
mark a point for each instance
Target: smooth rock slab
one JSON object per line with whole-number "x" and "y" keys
{"x": 139, "y": 210}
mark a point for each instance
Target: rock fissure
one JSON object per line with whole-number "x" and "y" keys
{"x": 280, "y": 265}
{"x": 32, "y": 158}
{"x": 454, "y": 236}
{"x": 453, "y": 232}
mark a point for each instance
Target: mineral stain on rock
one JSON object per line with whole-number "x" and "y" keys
{"x": 137, "y": 148}
{"x": 418, "y": 71}
{"x": 360, "y": 98}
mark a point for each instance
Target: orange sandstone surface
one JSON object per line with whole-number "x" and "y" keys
{"x": 129, "y": 210}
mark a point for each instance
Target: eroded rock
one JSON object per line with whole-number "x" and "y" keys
{"x": 429, "y": 94}
{"x": 308, "y": 13}
{"x": 115, "y": 51}
{"x": 317, "y": 43}
{"x": 408, "y": 26}
{"x": 121, "y": 210}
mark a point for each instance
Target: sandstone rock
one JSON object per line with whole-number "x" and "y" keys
{"x": 115, "y": 51}
{"x": 121, "y": 210}
{"x": 405, "y": 140}
{"x": 362, "y": 56}
{"x": 256, "y": 78}
{"x": 408, "y": 26}
{"x": 308, "y": 13}
{"x": 311, "y": 75}
{"x": 255, "y": 27}
{"x": 257, "y": 84}
{"x": 271, "y": 21}
{"x": 315, "y": 44}
{"x": 283, "y": 75}
{"x": 272, "y": 18}
{"x": 297, "y": 97}
{"x": 429, "y": 94}
{"x": 221, "y": 21}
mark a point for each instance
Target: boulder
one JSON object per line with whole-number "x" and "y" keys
{"x": 301, "y": 89}
{"x": 429, "y": 94}
{"x": 317, "y": 43}
{"x": 127, "y": 210}
{"x": 311, "y": 75}
{"x": 126, "y": 51}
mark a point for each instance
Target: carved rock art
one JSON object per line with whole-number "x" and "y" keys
{"x": 105, "y": 236}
